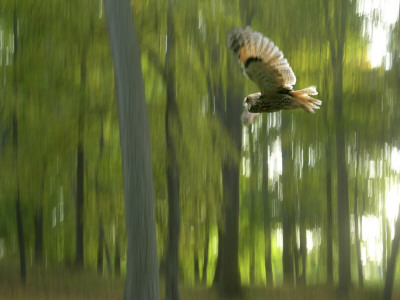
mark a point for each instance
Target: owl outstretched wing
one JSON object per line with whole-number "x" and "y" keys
{"x": 261, "y": 60}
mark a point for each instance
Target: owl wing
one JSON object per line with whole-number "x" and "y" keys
{"x": 261, "y": 60}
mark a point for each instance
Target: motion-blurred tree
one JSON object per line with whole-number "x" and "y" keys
{"x": 135, "y": 145}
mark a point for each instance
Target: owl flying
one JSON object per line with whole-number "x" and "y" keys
{"x": 264, "y": 63}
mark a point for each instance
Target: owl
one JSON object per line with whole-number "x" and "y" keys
{"x": 264, "y": 63}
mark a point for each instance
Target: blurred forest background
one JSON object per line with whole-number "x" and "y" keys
{"x": 288, "y": 200}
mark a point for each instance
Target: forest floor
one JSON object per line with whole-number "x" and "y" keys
{"x": 64, "y": 283}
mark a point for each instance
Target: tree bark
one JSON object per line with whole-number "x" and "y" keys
{"x": 100, "y": 249}
{"x": 229, "y": 276}
{"x": 303, "y": 249}
{"x": 266, "y": 208}
{"x": 252, "y": 217}
{"x": 337, "y": 48}
{"x": 20, "y": 229}
{"x": 196, "y": 265}
{"x": 391, "y": 268}
{"x": 80, "y": 196}
{"x": 135, "y": 145}
{"x": 288, "y": 208}
{"x": 117, "y": 258}
{"x": 21, "y": 240}
{"x": 172, "y": 128}
{"x": 205, "y": 252}
{"x": 357, "y": 231}
{"x": 39, "y": 225}
{"x": 342, "y": 187}
{"x": 329, "y": 254}
{"x": 229, "y": 282}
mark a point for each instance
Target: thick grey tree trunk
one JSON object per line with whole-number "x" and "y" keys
{"x": 142, "y": 280}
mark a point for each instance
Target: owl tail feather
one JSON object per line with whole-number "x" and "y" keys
{"x": 304, "y": 101}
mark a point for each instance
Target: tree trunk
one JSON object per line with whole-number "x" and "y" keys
{"x": 205, "y": 253}
{"x": 100, "y": 249}
{"x": 80, "y": 196}
{"x": 357, "y": 233}
{"x": 391, "y": 268}
{"x": 288, "y": 208}
{"x": 196, "y": 264}
{"x": 21, "y": 240}
{"x": 342, "y": 188}
{"x": 329, "y": 254}
{"x": 303, "y": 249}
{"x": 172, "y": 128}
{"x": 20, "y": 229}
{"x": 337, "y": 48}
{"x": 117, "y": 258}
{"x": 267, "y": 209}
{"x": 39, "y": 226}
{"x": 135, "y": 145}
{"x": 229, "y": 282}
{"x": 108, "y": 258}
{"x": 252, "y": 217}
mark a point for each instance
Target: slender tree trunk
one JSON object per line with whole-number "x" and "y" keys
{"x": 205, "y": 252}
{"x": 296, "y": 253}
{"x": 391, "y": 268}
{"x": 337, "y": 48}
{"x": 117, "y": 258}
{"x": 21, "y": 240}
{"x": 20, "y": 229}
{"x": 108, "y": 258}
{"x": 252, "y": 217}
{"x": 196, "y": 264}
{"x": 39, "y": 226}
{"x": 172, "y": 128}
{"x": 329, "y": 254}
{"x": 303, "y": 249}
{"x": 219, "y": 107}
{"x": 79, "y": 258}
{"x": 136, "y": 159}
{"x": 267, "y": 209}
{"x": 342, "y": 187}
{"x": 100, "y": 249}
{"x": 288, "y": 209}
{"x": 357, "y": 234}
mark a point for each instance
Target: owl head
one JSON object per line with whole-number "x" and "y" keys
{"x": 249, "y": 100}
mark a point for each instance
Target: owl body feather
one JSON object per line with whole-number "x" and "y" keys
{"x": 265, "y": 64}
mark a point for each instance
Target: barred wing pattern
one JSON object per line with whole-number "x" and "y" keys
{"x": 261, "y": 60}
